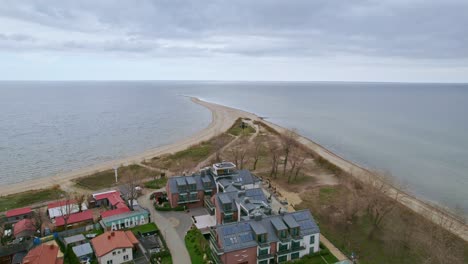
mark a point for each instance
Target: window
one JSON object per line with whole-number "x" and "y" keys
{"x": 123, "y": 250}
{"x": 262, "y": 238}
{"x": 294, "y": 231}
{"x": 263, "y": 261}
{"x": 295, "y": 244}
{"x": 311, "y": 250}
{"x": 295, "y": 255}
{"x": 227, "y": 207}
{"x": 126, "y": 257}
{"x": 183, "y": 197}
{"x": 193, "y": 196}
{"x": 263, "y": 251}
{"x": 113, "y": 253}
{"x": 282, "y": 259}
{"x": 312, "y": 239}
{"x": 282, "y": 234}
{"x": 109, "y": 261}
{"x": 283, "y": 247}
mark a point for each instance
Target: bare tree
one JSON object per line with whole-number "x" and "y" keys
{"x": 132, "y": 180}
{"x": 288, "y": 142}
{"x": 274, "y": 156}
{"x": 381, "y": 198}
{"x": 37, "y": 220}
{"x": 296, "y": 160}
{"x": 218, "y": 143}
{"x": 80, "y": 199}
{"x": 257, "y": 150}
{"x": 67, "y": 206}
{"x": 242, "y": 146}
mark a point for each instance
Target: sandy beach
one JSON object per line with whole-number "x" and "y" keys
{"x": 222, "y": 118}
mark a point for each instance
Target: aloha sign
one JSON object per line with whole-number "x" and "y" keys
{"x": 128, "y": 222}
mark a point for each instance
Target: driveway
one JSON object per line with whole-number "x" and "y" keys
{"x": 174, "y": 241}
{"x": 182, "y": 221}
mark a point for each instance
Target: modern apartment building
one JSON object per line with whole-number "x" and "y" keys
{"x": 265, "y": 239}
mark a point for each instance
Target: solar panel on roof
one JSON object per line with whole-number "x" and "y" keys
{"x": 227, "y": 242}
{"x": 228, "y": 230}
{"x": 306, "y": 225}
{"x": 246, "y": 237}
{"x": 301, "y": 216}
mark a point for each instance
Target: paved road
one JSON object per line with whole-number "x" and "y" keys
{"x": 174, "y": 242}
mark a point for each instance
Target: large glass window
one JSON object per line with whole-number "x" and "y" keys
{"x": 283, "y": 247}
{"x": 295, "y": 255}
{"x": 263, "y": 251}
{"x": 295, "y": 244}
{"x": 261, "y": 238}
{"x": 282, "y": 259}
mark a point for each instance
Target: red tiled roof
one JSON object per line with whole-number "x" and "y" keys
{"x": 23, "y": 225}
{"x": 115, "y": 212}
{"x": 18, "y": 211}
{"x": 131, "y": 237}
{"x": 109, "y": 241}
{"x": 60, "y": 203}
{"x": 43, "y": 254}
{"x": 75, "y": 218}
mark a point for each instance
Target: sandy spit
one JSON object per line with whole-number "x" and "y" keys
{"x": 222, "y": 118}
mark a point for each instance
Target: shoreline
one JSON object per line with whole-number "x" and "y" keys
{"x": 222, "y": 118}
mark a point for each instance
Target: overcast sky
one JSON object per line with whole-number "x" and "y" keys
{"x": 316, "y": 40}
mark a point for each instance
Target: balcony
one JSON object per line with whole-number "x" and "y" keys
{"x": 214, "y": 243}
{"x": 265, "y": 256}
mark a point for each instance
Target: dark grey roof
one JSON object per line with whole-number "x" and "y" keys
{"x": 224, "y": 199}
{"x": 239, "y": 235}
{"x": 278, "y": 224}
{"x": 258, "y": 228}
{"x": 176, "y": 181}
{"x": 190, "y": 180}
{"x": 290, "y": 221}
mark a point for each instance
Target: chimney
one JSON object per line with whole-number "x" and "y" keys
{"x": 51, "y": 246}
{"x": 109, "y": 237}
{"x": 112, "y": 233}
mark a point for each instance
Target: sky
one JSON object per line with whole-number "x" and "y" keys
{"x": 264, "y": 40}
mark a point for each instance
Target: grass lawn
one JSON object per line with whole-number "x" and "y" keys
{"x": 150, "y": 227}
{"x": 156, "y": 184}
{"x": 237, "y": 130}
{"x": 196, "y": 245}
{"x": 189, "y": 157}
{"x": 106, "y": 179}
{"x": 27, "y": 198}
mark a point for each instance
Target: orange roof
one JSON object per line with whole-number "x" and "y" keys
{"x": 111, "y": 240}
{"x": 43, "y": 254}
{"x": 131, "y": 237}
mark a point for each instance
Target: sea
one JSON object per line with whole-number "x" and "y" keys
{"x": 417, "y": 133}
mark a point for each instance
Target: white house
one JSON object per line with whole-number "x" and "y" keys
{"x": 114, "y": 247}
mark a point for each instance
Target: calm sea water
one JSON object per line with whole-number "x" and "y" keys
{"x": 416, "y": 132}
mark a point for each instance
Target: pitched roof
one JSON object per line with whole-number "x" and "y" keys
{"x": 74, "y": 218}
{"x": 23, "y": 225}
{"x": 75, "y": 238}
{"x": 82, "y": 250}
{"x": 18, "y": 211}
{"x": 42, "y": 254}
{"x": 60, "y": 203}
{"x": 109, "y": 241}
{"x": 239, "y": 235}
{"x": 115, "y": 212}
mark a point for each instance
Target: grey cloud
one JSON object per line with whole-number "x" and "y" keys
{"x": 416, "y": 29}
